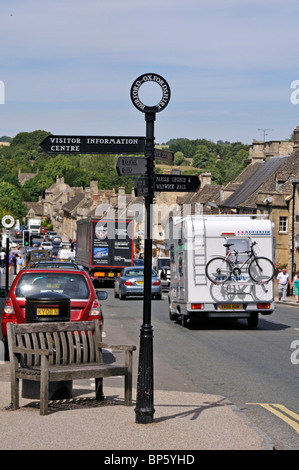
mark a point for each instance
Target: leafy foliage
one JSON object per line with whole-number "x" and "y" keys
{"x": 224, "y": 160}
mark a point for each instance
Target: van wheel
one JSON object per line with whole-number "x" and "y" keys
{"x": 173, "y": 316}
{"x": 253, "y": 320}
{"x": 186, "y": 321}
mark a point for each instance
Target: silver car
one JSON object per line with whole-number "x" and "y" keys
{"x": 130, "y": 282}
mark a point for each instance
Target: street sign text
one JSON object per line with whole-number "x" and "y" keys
{"x": 92, "y": 144}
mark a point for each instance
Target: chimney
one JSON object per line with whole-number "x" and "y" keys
{"x": 205, "y": 179}
{"x": 296, "y": 137}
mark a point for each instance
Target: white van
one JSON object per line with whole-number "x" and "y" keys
{"x": 66, "y": 255}
{"x": 193, "y": 242}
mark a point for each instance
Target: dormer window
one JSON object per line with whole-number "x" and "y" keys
{"x": 279, "y": 183}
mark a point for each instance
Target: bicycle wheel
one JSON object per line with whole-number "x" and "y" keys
{"x": 261, "y": 270}
{"x": 218, "y": 270}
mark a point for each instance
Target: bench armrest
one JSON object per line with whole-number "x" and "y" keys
{"x": 123, "y": 347}
{"x": 40, "y": 352}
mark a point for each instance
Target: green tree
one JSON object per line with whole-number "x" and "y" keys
{"x": 179, "y": 158}
{"x": 202, "y": 156}
{"x": 11, "y": 200}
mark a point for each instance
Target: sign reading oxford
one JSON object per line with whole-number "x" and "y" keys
{"x": 150, "y": 77}
{"x": 89, "y": 144}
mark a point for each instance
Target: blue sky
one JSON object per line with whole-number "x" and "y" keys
{"x": 68, "y": 66}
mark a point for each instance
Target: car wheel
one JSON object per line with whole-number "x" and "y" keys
{"x": 122, "y": 296}
{"x": 158, "y": 296}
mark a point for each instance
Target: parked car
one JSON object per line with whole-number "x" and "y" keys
{"x": 33, "y": 255}
{"x": 46, "y": 245}
{"x": 56, "y": 241}
{"x": 54, "y": 252}
{"x": 65, "y": 245}
{"x": 52, "y": 264}
{"x": 85, "y": 300}
{"x": 130, "y": 282}
{"x": 18, "y": 233}
{"x": 65, "y": 254}
{"x": 50, "y": 235}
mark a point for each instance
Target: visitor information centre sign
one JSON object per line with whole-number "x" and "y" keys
{"x": 92, "y": 144}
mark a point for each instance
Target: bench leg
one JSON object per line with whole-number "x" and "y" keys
{"x": 128, "y": 378}
{"x": 15, "y": 393}
{"x": 44, "y": 387}
{"x": 128, "y": 390}
{"x": 99, "y": 389}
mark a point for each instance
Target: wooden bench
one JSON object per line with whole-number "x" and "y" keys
{"x": 59, "y": 351}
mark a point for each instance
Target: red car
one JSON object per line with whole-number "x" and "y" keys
{"x": 76, "y": 284}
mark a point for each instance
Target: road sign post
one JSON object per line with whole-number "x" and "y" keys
{"x": 144, "y": 410}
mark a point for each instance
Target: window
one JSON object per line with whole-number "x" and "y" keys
{"x": 283, "y": 224}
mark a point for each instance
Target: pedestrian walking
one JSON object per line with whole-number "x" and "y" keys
{"x": 295, "y": 285}
{"x": 2, "y": 258}
{"x": 283, "y": 280}
{"x": 20, "y": 263}
{"x": 10, "y": 258}
{"x": 14, "y": 263}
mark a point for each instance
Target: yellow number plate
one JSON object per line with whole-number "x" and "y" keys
{"x": 110, "y": 274}
{"x": 139, "y": 282}
{"x": 230, "y": 306}
{"x": 47, "y": 311}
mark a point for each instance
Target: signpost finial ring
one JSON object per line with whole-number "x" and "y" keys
{"x": 145, "y": 78}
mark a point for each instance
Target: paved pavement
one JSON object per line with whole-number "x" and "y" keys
{"x": 183, "y": 421}
{"x": 290, "y": 300}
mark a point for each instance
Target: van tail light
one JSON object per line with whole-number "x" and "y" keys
{"x": 263, "y": 306}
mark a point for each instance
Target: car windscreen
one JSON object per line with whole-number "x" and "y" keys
{"x": 73, "y": 285}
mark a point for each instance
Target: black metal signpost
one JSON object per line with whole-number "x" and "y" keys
{"x": 145, "y": 187}
{"x": 144, "y": 410}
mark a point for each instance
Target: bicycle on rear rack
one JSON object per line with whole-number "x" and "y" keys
{"x": 220, "y": 269}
